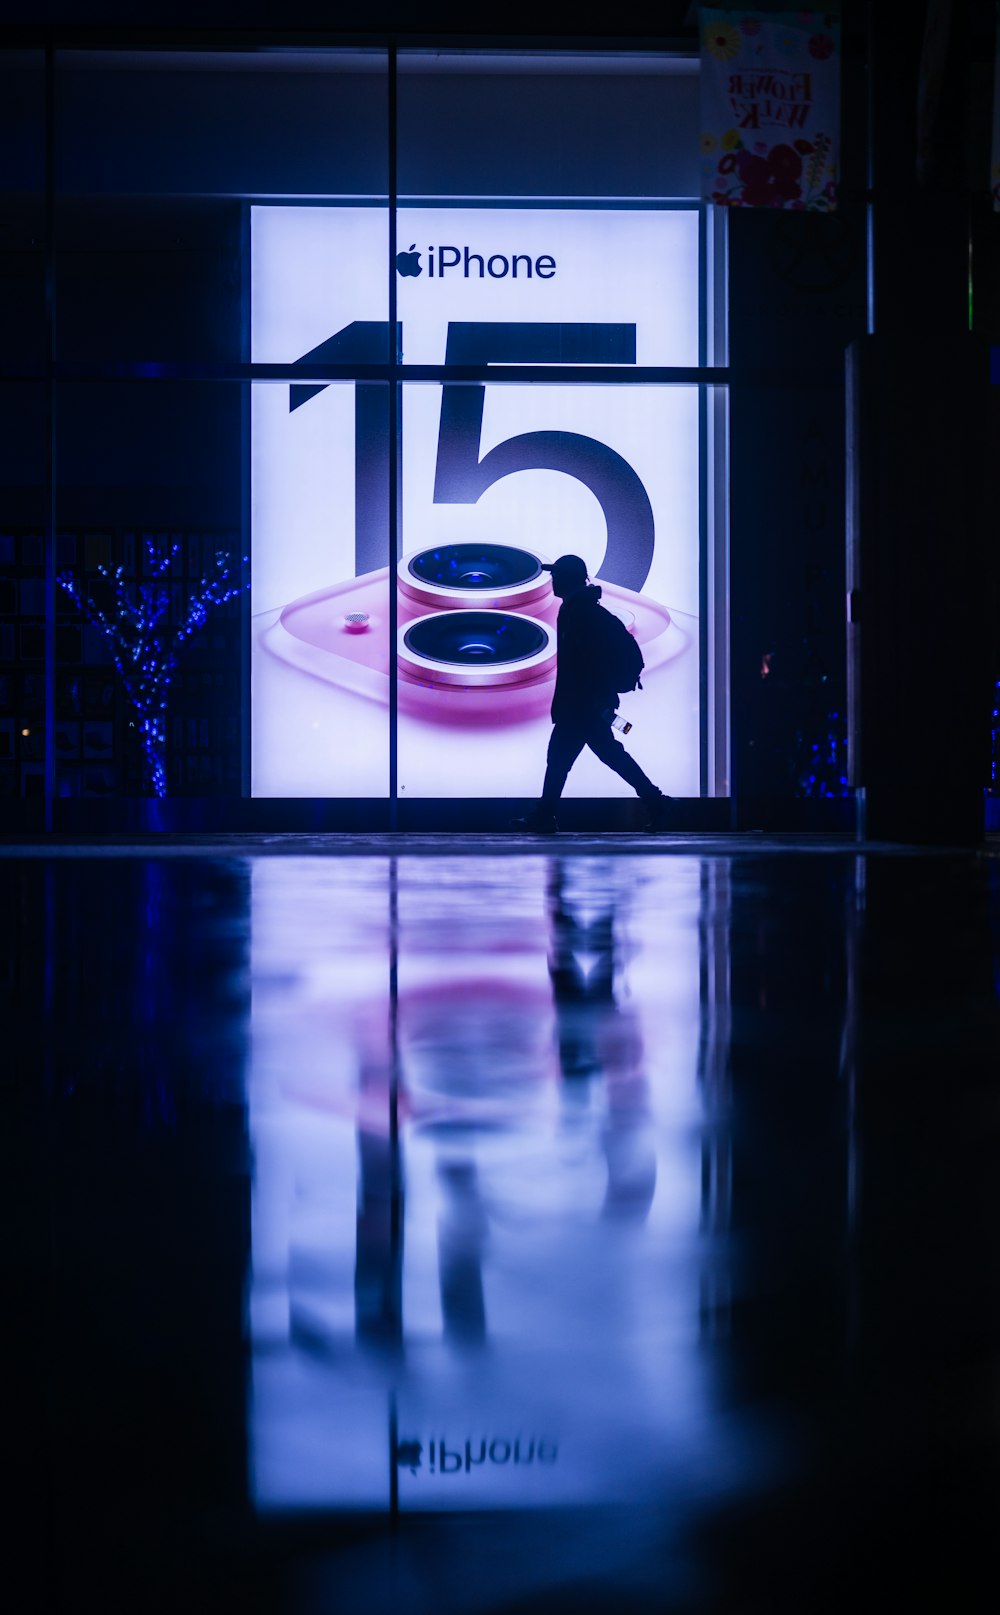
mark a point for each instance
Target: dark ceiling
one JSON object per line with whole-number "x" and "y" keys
{"x": 670, "y": 20}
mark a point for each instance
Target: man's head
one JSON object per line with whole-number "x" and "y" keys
{"x": 569, "y": 575}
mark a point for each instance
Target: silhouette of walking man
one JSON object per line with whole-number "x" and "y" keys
{"x": 585, "y": 699}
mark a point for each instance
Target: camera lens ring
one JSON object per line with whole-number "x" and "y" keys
{"x": 473, "y": 576}
{"x": 481, "y": 649}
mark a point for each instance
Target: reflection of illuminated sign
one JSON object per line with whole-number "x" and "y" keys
{"x": 548, "y": 1163}
{"x": 610, "y": 473}
{"x": 443, "y": 1456}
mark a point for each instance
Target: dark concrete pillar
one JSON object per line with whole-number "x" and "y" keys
{"x": 796, "y": 301}
{"x": 918, "y": 567}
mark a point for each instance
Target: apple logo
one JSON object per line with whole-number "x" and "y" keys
{"x": 408, "y": 263}
{"x": 408, "y": 1455}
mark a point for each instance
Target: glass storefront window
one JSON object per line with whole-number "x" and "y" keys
{"x": 320, "y": 636}
{"x": 607, "y": 473}
{"x": 22, "y": 595}
{"x": 267, "y": 329}
{"x": 511, "y": 248}
{"x": 148, "y": 472}
{"x": 22, "y": 193}
{"x": 546, "y": 218}
{"x": 547, "y": 124}
{"x": 158, "y": 155}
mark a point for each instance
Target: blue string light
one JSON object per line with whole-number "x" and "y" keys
{"x": 825, "y": 771}
{"x": 144, "y": 654}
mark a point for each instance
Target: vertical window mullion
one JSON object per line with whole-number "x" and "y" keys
{"x": 394, "y": 402}
{"x": 50, "y": 466}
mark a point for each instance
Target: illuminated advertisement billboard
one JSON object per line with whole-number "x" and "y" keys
{"x": 495, "y": 480}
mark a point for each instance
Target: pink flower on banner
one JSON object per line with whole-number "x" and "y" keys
{"x": 786, "y": 170}
{"x": 753, "y": 172}
{"x": 770, "y": 181}
{"x": 821, "y": 46}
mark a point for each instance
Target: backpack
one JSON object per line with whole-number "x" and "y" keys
{"x": 622, "y": 659}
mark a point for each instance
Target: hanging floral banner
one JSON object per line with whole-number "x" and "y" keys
{"x": 770, "y": 108}
{"x": 995, "y": 168}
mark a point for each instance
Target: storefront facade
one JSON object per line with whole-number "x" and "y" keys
{"x": 385, "y": 326}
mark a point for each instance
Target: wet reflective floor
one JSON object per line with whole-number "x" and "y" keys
{"x": 541, "y": 1231}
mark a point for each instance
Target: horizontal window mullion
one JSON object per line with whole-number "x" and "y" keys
{"x": 564, "y": 375}
{"x": 468, "y": 375}
{"x": 784, "y": 378}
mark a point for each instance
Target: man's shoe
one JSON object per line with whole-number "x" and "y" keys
{"x": 536, "y": 824}
{"x": 657, "y": 811}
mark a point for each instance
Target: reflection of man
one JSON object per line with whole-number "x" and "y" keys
{"x": 461, "y": 1240}
{"x": 585, "y": 699}
{"x": 598, "y": 1039}
{"x": 378, "y": 1271}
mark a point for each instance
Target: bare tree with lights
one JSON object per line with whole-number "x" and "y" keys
{"x": 144, "y": 644}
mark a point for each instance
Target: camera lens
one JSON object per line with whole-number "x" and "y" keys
{"x": 465, "y": 637}
{"x": 458, "y": 575}
{"x": 476, "y": 648}
{"x": 475, "y": 566}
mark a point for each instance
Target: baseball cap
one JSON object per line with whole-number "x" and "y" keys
{"x": 567, "y": 566}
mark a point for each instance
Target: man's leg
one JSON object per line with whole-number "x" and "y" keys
{"x": 565, "y": 745}
{"x": 601, "y": 740}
